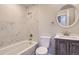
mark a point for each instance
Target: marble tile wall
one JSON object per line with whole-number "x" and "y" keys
{"x": 15, "y": 26}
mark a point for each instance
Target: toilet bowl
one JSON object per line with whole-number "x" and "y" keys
{"x": 41, "y": 51}
{"x": 43, "y": 43}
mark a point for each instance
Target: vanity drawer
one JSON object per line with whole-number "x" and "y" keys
{"x": 74, "y": 48}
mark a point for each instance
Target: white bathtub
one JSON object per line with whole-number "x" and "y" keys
{"x": 21, "y": 48}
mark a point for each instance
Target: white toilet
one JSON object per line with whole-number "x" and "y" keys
{"x": 44, "y": 43}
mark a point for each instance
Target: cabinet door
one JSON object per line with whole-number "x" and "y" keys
{"x": 61, "y": 47}
{"x": 74, "y": 48}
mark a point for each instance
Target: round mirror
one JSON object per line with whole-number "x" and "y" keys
{"x": 67, "y": 16}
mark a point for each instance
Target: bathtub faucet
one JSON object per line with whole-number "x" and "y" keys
{"x": 30, "y": 37}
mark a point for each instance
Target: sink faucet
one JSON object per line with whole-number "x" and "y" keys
{"x": 66, "y": 33}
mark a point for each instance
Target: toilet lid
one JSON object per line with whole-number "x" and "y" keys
{"x": 41, "y": 50}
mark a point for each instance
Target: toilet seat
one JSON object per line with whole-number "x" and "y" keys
{"x": 41, "y": 51}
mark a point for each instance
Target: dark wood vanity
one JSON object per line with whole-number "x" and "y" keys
{"x": 66, "y": 47}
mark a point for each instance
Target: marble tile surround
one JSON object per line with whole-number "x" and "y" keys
{"x": 16, "y": 25}
{"x": 9, "y": 34}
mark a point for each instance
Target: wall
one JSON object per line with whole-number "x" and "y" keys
{"x": 15, "y": 25}
{"x": 47, "y": 15}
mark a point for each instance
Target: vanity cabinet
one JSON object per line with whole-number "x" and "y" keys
{"x": 66, "y": 47}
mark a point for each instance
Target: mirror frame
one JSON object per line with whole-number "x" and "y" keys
{"x": 76, "y": 18}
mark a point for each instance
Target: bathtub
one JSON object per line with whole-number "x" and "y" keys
{"x": 20, "y": 48}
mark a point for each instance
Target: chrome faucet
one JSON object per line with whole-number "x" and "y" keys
{"x": 66, "y": 33}
{"x": 30, "y": 37}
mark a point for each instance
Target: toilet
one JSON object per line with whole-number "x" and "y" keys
{"x": 43, "y": 45}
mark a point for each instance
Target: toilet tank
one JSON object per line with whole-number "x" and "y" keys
{"x": 44, "y": 41}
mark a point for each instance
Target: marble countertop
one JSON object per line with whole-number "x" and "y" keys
{"x": 71, "y": 37}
